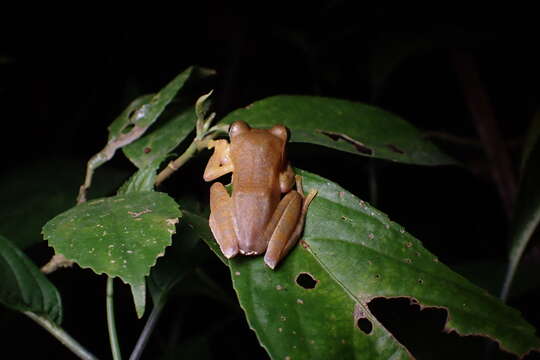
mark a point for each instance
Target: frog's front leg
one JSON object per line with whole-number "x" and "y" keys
{"x": 221, "y": 220}
{"x": 286, "y": 224}
{"x": 220, "y": 162}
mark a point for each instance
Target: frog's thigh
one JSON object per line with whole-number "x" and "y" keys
{"x": 221, "y": 220}
{"x": 284, "y": 228}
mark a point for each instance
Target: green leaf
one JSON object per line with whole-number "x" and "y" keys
{"x": 144, "y": 111}
{"x": 37, "y": 191}
{"x": 138, "y": 291}
{"x": 121, "y": 124}
{"x": 343, "y": 125}
{"x": 526, "y": 214}
{"x": 120, "y": 236}
{"x": 142, "y": 180}
{"x": 24, "y": 287}
{"x": 157, "y": 144}
{"x": 354, "y": 254}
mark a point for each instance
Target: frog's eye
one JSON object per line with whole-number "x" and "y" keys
{"x": 280, "y": 131}
{"x": 238, "y": 127}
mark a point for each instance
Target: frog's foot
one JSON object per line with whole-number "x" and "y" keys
{"x": 288, "y": 224}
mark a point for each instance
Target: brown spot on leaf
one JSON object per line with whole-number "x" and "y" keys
{"x": 395, "y": 149}
{"x": 147, "y": 149}
{"x": 361, "y": 148}
{"x": 136, "y": 214}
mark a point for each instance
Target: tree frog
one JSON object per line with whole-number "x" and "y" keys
{"x": 255, "y": 218}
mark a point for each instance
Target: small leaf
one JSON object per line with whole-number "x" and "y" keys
{"x": 350, "y": 254}
{"x": 123, "y": 121}
{"x": 24, "y": 287}
{"x": 154, "y": 146}
{"x": 526, "y": 214}
{"x": 344, "y": 125}
{"x": 144, "y": 111}
{"x": 142, "y": 180}
{"x": 138, "y": 291}
{"x": 120, "y": 236}
{"x": 203, "y": 105}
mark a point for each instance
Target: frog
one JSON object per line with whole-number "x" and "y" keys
{"x": 264, "y": 212}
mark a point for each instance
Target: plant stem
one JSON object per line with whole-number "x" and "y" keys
{"x": 147, "y": 331}
{"x": 62, "y": 336}
{"x": 111, "y": 325}
{"x": 176, "y": 164}
{"x": 200, "y": 142}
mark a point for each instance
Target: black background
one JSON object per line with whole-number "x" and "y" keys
{"x": 64, "y": 77}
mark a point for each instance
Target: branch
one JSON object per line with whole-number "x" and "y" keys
{"x": 62, "y": 336}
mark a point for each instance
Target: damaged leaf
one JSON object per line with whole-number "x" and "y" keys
{"x": 344, "y": 125}
{"x": 120, "y": 236}
{"x": 350, "y": 254}
{"x": 154, "y": 146}
{"x": 131, "y": 124}
{"x": 144, "y": 111}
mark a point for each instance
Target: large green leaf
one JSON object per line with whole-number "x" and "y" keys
{"x": 120, "y": 236}
{"x": 23, "y": 287}
{"x": 526, "y": 214}
{"x": 353, "y": 254}
{"x": 344, "y": 125}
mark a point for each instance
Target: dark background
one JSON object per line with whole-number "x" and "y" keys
{"x": 63, "y": 79}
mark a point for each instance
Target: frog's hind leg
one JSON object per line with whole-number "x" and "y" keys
{"x": 287, "y": 224}
{"x": 221, "y": 220}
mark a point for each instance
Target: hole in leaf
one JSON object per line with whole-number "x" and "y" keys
{"x": 364, "y": 325}
{"x": 420, "y": 329}
{"x": 306, "y": 280}
{"x": 361, "y": 148}
{"x": 395, "y": 149}
{"x": 361, "y": 321}
{"x": 127, "y": 128}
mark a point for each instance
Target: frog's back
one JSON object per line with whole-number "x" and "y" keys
{"x": 258, "y": 160}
